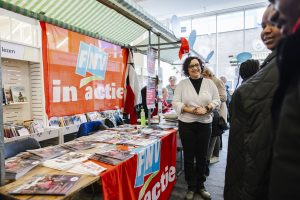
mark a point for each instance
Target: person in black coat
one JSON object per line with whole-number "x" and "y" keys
{"x": 250, "y": 136}
{"x": 285, "y": 170}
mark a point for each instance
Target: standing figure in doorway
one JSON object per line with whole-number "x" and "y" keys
{"x": 194, "y": 100}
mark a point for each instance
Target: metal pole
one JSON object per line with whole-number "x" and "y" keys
{"x": 149, "y": 109}
{"x": 2, "y": 169}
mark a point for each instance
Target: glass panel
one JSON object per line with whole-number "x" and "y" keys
{"x": 231, "y": 22}
{"x": 204, "y": 25}
{"x": 253, "y": 17}
{"x": 185, "y": 28}
{"x": 4, "y": 28}
{"x": 21, "y": 32}
{"x": 254, "y": 44}
{"x": 229, "y": 44}
{"x": 204, "y": 45}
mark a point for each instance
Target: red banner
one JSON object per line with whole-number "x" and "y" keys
{"x": 119, "y": 182}
{"x": 81, "y": 74}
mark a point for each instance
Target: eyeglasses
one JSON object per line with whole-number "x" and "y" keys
{"x": 194, "y": 65}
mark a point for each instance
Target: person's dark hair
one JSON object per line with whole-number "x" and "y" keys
{"x": 248, "y": 68}
{"x": 272, "y": 1}
{"x": 185, "y": 66}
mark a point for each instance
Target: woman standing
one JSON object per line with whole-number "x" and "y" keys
{"x": 194, "y": 99}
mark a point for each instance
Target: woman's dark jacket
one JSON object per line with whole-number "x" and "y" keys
{"x": 250, "y": 136}
{"x": 285, "y": 173}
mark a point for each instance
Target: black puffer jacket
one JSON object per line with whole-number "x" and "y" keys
{"x": 251, "y": 135}
{"x": 285, "y": 173}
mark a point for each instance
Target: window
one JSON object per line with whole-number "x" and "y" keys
{"x": 18, "y": 28}
{"x": 21, "y": 32}
{"x": 4, "y": 28}
{"x": 185, "y": 28}
{"x": 231, "y": 21}
{"x": 204, "y": 25}
{"x": 253, "y": 18}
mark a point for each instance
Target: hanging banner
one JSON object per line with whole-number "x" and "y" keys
{"x": 151, "y": 54}
{"x": 81, "y": 74}
{"x": 151, "y": 92}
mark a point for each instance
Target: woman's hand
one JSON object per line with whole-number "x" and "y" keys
{"x": 200, "y": 110}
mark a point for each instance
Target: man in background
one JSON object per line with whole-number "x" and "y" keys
{"x": 171, "y": 89}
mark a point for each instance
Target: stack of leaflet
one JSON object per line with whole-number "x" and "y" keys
{"x": 171, "y": 119}
{"x": 112, "y": 157}
{"x": 66, "y": 161}
{"x": 87, "y": 168}
{"x": 16, "y": 167}
{"x": 49, "y": 152}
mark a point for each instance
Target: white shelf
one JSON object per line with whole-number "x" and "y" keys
{"x": 18, "y": 103}
{"x": 47, "y": 134}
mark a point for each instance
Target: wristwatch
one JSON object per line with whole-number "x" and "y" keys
{"x": 207, "y": 109}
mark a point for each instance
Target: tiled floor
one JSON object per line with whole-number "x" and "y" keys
{"x": 214, "y": 183}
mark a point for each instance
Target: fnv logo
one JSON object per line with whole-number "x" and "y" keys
{"x": 93, "y": 60}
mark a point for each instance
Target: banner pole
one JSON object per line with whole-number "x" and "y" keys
{"x": 2, "y": 161}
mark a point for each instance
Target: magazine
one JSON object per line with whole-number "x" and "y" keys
{"x": 117, "y": 154}
{"x": 79, "y": 145}
{"x": 88, "y": 168}
{"x": 47, "y": 184}
{"x": 105, "y": 159}
{"x": 16, "y": 167}
{"x": 18, "y": 93}
{"x": 49, "y": 152}
{"x": 66, "y": 161}
{"x": 7, "y": 95}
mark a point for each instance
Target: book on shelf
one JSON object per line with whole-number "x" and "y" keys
{"x": 34, "y": 126}
{"x": 88, "y": 168}
{"x": 76, "y": 120}
{"x": 54, "y": 122}
{"x": 7, "y": 96}
{"x": 66, "y": 161}
{"x": 82, "y": 118}
{"x": 3, "y": 97}
{"x": 16, "y": 167}
{"x": 11, "y": 130}
{"x": 49, "y": 152}
{"x": 68, "y": 120}
{"x": 53, "y": 184}
{"x": 18, "y": 93}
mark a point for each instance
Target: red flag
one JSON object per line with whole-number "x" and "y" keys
{"x": 132, "y": 89}
{"x": 184, "y": 48}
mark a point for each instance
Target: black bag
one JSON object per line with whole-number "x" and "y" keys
{"x": 222, "y": 124}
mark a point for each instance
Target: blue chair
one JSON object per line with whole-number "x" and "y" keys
{"x": 89, "y": 127}
{"x": 15, "y": 147}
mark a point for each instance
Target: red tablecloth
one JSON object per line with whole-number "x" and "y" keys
{"x": 118, "y": 182}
